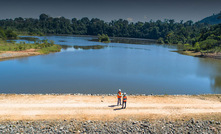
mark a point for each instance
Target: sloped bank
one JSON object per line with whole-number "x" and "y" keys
{"x": 75, "y": 126}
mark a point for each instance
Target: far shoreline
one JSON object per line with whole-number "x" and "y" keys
{"x": 200, "y": 55}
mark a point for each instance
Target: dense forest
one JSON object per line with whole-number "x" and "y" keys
{"x": 171, "y": 31}
{"x": 42, "y": 46}
{"x": 7, "y": 34}
{"x": 208, "y": 41}
{"x": 194, "y": 35}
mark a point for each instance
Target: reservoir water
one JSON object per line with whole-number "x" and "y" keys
{"x": 135, "y": 66}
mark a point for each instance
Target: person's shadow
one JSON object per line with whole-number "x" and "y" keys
{"x": 115, "y": 108}
{"x": 112, "y": 105}
{"x": 118, "y": 109}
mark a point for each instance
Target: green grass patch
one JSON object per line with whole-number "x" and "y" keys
{"x": 47, "y": 50}
{"x": 43, "y": 46}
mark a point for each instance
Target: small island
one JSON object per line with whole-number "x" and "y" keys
{"x": 103, "y": 38}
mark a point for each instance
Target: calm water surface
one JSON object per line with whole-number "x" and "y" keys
{"x": 135, "y": 66}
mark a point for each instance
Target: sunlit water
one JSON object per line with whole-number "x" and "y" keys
{"x": 145, "y": 68}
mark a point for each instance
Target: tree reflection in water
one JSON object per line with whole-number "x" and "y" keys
{"x": 212, "y": 68}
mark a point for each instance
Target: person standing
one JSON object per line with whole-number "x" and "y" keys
{"x": 119, "y": 97}
{"x": 124, "y": 101}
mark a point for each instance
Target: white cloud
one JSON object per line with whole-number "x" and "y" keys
{"x": 130, "y": 19}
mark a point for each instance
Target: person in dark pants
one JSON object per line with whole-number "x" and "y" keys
{"x": 119, "y": 97}
{"x": 124, "y": 105}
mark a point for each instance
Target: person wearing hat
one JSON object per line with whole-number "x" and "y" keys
{"x": 124, "y": 101}
{"x": 119, "y": 97}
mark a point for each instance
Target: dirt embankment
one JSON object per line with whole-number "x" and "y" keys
{"x": 86, "y": 107}
{"x": 16, "y": 54}
{"x": 203, "y": 55}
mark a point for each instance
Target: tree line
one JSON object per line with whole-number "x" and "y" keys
{"x": 209, "y": 40}
{"x": 167, "y": 31}
{"x": 7, "y": 34}
{"x": 171, "y": 31}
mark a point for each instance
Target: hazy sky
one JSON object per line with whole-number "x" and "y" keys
{"x": 133, "y": 10}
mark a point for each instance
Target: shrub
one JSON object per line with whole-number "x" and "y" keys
{"x": 160, "y": 40}
{"x": 187, "y": 47}
{"x": 208, "y": 44}
{"x": 197, "y": 47}
{"x": 103, "y": 38}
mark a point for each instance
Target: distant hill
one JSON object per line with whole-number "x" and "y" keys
{"x": 214, "y": 19}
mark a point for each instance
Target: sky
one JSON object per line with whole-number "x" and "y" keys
{"x": 107, "y": 10}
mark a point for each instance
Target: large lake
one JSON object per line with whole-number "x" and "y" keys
{"x": 135, "y": 66}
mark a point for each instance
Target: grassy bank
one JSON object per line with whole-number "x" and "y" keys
{"x": 41, "y": 46}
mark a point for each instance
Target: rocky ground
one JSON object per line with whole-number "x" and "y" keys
{"x": 74, "y": 126}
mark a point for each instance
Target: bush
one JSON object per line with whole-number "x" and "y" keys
{"x": 187, "y": 47}
{"x": 11, "y": 35}
{"x": 208, "y": 44}
{"x": 2, "y": 34}
{"x": 160, "y": 40}
{"x": 54, "y": 48}
{"x": 103, "y": 38}
{"x": 197, "y": 47}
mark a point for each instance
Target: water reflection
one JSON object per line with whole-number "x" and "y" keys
{"x": 130, "y": 48}
{"x": 90, "y": 47}
{"x": 65, "y": 47}
{"x": 62, "y": 41}
{"x": 132, "y": 41}
{"x": 212, "y": 68}
{"x": 72, "y": 48}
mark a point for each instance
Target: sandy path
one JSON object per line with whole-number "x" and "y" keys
{"x": 35, "y": 107}
{"x": 15, "y": 54}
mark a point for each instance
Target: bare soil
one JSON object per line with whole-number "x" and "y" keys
{"x": 15, "y": 54}
{"x": 203, "y": 55}
{"x": 87, "y": 107}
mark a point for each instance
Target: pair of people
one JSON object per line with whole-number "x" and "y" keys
{"x": 119, "y": 96}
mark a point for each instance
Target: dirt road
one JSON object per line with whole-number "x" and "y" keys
{"x": 40, "y": 107}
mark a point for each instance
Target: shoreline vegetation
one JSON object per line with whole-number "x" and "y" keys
{"x": 22, "y": 49}
{"x": 195, "y": 37}
{"x": 200, "y": 54}
{"x": 10, "y": 49}
{"x": 103, "y": 38}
